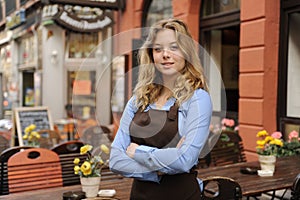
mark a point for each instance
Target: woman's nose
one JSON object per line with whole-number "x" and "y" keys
{"x": 166, "y": 53}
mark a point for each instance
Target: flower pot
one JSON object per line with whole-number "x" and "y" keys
{"x": 267, "y": 163}
{"x": 90, "y": 185}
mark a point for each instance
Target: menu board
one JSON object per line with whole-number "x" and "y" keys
{"x": 39, "y": 116}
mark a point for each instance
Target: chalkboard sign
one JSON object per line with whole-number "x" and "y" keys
{"x": 39, "y": 116}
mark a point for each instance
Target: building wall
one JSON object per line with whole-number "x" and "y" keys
{"x": 53, "y": 80}
{"x": 258, "y": 58}
{"x": 258, "y": 69}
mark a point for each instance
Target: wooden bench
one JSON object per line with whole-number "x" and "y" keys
{"x": 228, "y": 150}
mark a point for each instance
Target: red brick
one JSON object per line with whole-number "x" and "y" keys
{"x": 252, "y": 9}
{"x": 251, "y": 85}
{"x": 253, "y": 33}
{"x": 251, "y": 111}
{"x": 252, "y": 59}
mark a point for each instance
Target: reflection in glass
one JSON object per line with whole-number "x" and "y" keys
{"x": 293, "y": 69}
{"x": 211, "y": 7}
{"x": 159, "y": 9}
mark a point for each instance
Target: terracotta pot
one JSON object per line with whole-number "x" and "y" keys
{"x": 90, "y": 185}
{"x": 267, "y": 162}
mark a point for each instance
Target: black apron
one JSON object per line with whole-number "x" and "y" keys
{"x": 159, "y": 128}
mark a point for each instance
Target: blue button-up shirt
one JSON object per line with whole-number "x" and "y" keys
{"x": 194, "y": 117}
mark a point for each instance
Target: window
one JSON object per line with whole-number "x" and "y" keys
{"x": 220, "y": 36}
{"x": 10, "y": 6}
{"x": 288, "y": 108}
{"x": 157, "y": 10}
{"x": 1, "y": 13}
{"x": 211, "y": 7}
{"x": 82, "y": 93}
{"x": 27, "y": 50}
{"x": 293, "y": 67}
{"x": 81, "y": 44}
{"x": 23, "y": 2}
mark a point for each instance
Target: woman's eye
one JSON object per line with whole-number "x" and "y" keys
{"x": 157, "y": 49}
{"x": 174, "y": 48}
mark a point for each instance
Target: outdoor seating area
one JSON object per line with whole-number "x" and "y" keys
{"x": 250, "y": 186}
{"x": 223, "y": 169}
{"x": 48, "y": 162}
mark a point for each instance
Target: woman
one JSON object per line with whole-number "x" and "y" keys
{"x": 166, "y": 123}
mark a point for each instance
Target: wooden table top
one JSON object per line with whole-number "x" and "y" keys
{"x": 122, "y": 187}
{"x": 285, "y": 173}
{"x": 286, "y": 170}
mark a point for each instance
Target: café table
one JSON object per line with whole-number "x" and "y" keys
{"x": 122, "y": 187}
{"x": 286, "y": 170}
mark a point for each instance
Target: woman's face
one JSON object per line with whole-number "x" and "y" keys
{"x": 167, "y": 56}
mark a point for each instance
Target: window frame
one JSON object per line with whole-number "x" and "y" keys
{"x": 286, "y": 8}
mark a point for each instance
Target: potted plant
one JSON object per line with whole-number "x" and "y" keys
{"x": 90, "y": 170}
{"x": 268, "y": 148}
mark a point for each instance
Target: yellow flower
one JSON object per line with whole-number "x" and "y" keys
{"x": 76, "y": 169}
{"x": 25, "y": 137}
{"x": 101, "y": 162}
{"x": 260, "y": 142}
{"x": 85, "y": 149}
{"x": 76, "y": 161}
{"x": 277, "y": 142}
{"x": 35, "y": 135}
{"x": 262, "y": 133}
{"x": 32, "y": 127}
{"x": 86, "y": 168}
{"x": 30, "y": 137}
{"x": 268, "y": 139}
{"x": 104, "y": 148}
{"x": 27, "y": 130}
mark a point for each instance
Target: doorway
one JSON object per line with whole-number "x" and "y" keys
{"x": 28, "y": 89}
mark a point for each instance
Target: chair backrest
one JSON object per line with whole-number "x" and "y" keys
{"x": 228, "y": 150}
{"x": 67, "y": 152}
{"x": 68, "y": 147}
{"x": 4, "y": 156}
{"x": 34, "y": 168}
{"x": 295, "y": 190}
{"x": 220, "y": 188}
{"x": 96, "y": 135}
{"x": 49, "y": 138}
{"x": 4, "y": 143}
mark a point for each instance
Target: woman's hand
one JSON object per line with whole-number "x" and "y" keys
{"x": 131, "y": 149}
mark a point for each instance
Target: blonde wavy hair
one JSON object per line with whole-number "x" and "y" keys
{"x": 150, "y": 84}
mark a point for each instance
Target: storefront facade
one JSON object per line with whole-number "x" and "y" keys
{"x": 50, "y": 56}
{"x": 254, "y": 43}
{"x": 246, "y": 38}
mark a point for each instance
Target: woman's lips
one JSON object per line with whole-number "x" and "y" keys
{"x": 166, "y": 64}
